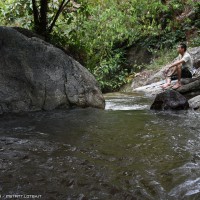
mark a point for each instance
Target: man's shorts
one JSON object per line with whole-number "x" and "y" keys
{"x": 185, "y": 73}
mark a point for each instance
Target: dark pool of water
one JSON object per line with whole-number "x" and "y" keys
{"x": 123, "y": 152}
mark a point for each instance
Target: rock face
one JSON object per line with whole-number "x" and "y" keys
{"x": 195, "y": 53}
{"x": 170, "y": 100}
{"x": 195, "y": 103}
{"x": 35, "y": 75}
{"x": 136, "y": 54}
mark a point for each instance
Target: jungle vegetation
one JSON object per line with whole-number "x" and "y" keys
{"x": 98, "y": 32}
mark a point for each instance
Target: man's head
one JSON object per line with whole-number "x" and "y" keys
{"x": 182, "y": 48}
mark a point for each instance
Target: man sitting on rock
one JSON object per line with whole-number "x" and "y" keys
{"x": 179, "y": 69}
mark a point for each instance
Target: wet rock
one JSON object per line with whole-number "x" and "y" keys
{"x": 35, "y": 75}
{"x": 194, "y": 103}
{"x": 170, "y": 100}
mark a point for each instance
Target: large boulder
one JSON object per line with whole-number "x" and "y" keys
{"x": 170, "y": 100}
{"x": 35, "y": 75}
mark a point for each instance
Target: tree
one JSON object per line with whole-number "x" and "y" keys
{"x": 42, "y": 25}
{"x": 39, "y": 15}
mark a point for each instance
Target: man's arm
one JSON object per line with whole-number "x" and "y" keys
{"x": 176, "y": 63}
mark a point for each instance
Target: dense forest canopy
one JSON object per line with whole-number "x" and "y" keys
{"x": 98, "y": 32}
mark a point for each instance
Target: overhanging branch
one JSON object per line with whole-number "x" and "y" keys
{"x": 60, "y": 9}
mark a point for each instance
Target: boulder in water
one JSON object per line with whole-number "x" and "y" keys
{"x": 170, "y": 100}
{"x": 35, "y": 75}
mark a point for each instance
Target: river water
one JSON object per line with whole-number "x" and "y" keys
{"x": 123, "y": 152}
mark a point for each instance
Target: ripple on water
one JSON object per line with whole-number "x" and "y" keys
{"x": 186, "y": 189}
{"x": 126, "y": 102}
{"x": 97, "y": 154}
{"x": 115, "y": 106}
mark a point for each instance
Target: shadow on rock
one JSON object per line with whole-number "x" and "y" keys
{"x": 170, "y": 100}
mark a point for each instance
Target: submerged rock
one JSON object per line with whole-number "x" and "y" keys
{"x": 170, "y": 100}
{"x": 35, "y": 75}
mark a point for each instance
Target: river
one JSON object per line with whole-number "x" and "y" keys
{"x": 123, "y": 152}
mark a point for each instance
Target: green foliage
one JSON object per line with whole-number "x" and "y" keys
{"x": 104, "y": 29}
{"x": 163, "y": 57}
{"x": 100, "y": 31}
{"x": 195, "y": 41}
{"x": 16, "y": 13}
{"x": 110, "y": 73}
{"x": 21, "y": 12}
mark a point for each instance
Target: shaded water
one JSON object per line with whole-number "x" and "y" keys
{"x": 123, "y": 152}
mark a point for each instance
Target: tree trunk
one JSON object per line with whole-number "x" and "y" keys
{"x": 41, "y": 24}
{"x": 35, "y": 16}
{"x": 43, "y": 18}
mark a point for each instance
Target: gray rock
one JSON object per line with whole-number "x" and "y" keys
{"x": 35, "y": 75}
{"x": 153, "y": 89}
{"x": 195, "y": 53}
{"x": 170, "y": 100}
{"x": 137, "y": 55}
{"x": 191, "y": 89}
{"x": 141, "y": 79}
{"x": 194, "y": 103}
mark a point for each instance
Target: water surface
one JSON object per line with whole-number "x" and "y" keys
{"x": 123, "y": 152}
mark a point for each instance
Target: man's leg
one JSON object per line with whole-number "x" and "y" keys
{"x": 168, "y": 79}
{"x": 168, "y": 83}
{"x": 178, "y": 84}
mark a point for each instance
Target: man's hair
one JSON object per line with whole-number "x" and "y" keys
{"x": 183, "y": 46}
